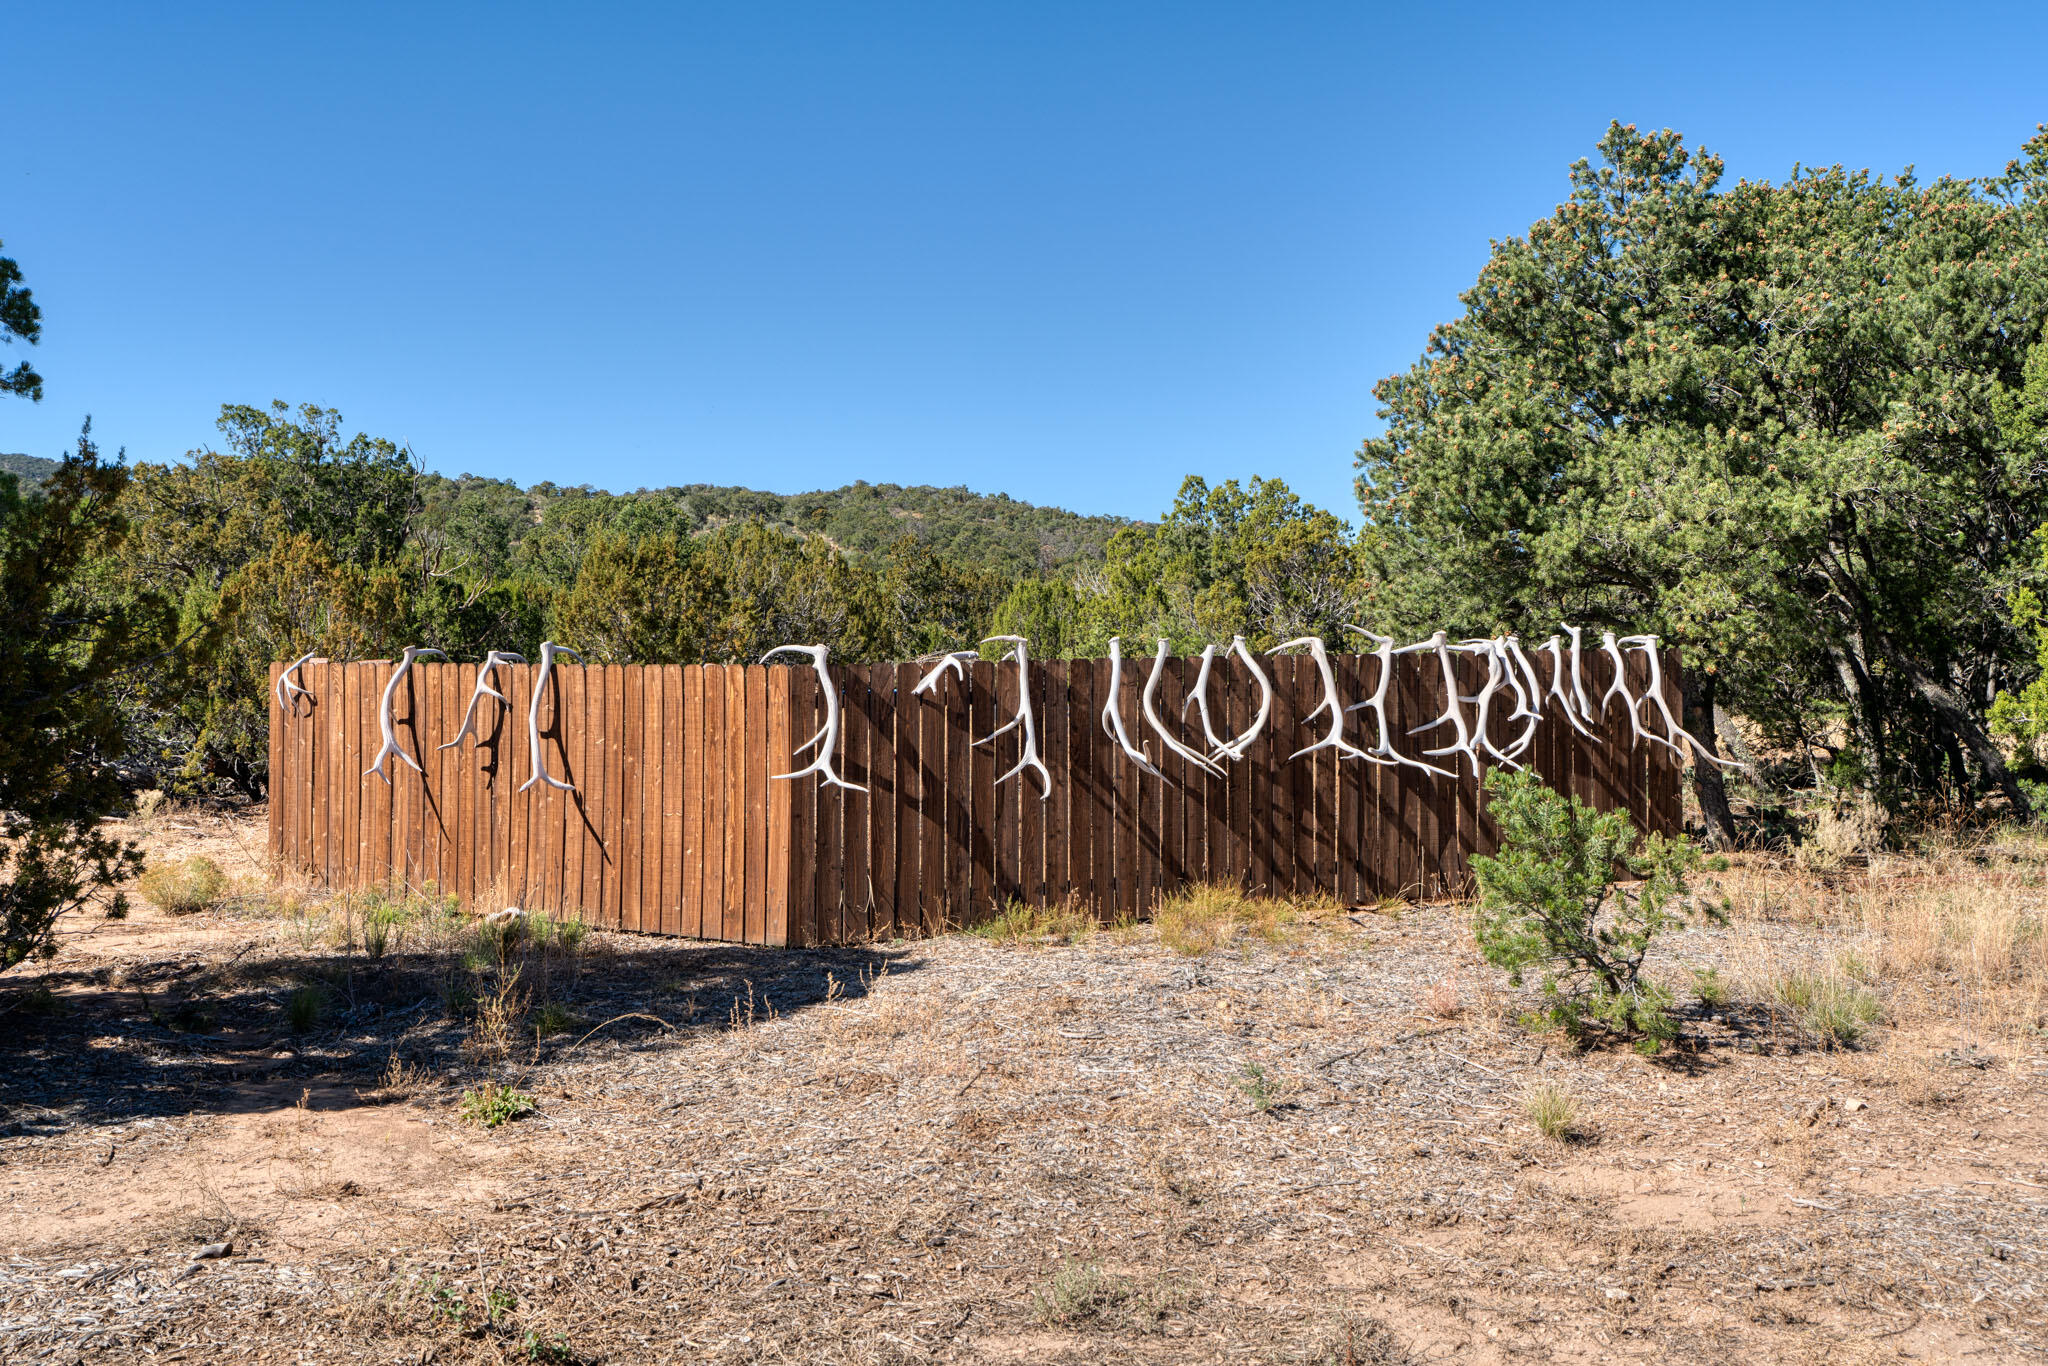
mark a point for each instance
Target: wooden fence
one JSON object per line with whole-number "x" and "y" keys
{"x": 676, "y": 828}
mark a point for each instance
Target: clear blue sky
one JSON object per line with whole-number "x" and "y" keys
{"x": 1067, "y": 252}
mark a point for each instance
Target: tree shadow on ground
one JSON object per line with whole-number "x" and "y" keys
{"x": 247, "y": 1031}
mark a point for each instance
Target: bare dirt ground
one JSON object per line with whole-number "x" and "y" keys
{"x": 1306, "y": 1149}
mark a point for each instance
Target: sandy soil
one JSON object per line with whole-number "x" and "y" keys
{"x": 961, "y": 1151}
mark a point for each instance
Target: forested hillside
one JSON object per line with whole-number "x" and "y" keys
{"x": 497, "y": 522}
{"x": 30, "y": 469}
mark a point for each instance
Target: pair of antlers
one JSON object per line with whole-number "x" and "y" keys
{"x": 289, "y": 691}
{"x": 955, "y": 662}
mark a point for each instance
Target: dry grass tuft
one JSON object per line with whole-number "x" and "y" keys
{"x": 1441, "y": 1001}
{"x": 1208, "y": 916}
{"x": 1018, "y": 923}
{"x": 1552, "y": 1110}
{"x": 185, "y": 887}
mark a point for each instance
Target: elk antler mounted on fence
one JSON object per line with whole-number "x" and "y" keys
{"x": 1112, "y": 711}
{"x": 1335, "y": 739}
{"x": 548, "y": 651}
{"x": 1147, "y": 703}
{"x": 384, "y": 717}
{"x": 1025, "y": 717}
{"x": 483, "y": 689}
{"x": 1454, "y": 708}
{"x": 953, "y": 661}
{"x": 1676, "y": 732}
{"x": 1384, "y": 752}
{"x": 288, "y": 692}
{"x": 827, "y": 738}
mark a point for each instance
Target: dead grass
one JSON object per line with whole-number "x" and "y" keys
{"x": 186, "y": 887}
{"x": 1209, "y": 916}
{"x": 1052, "y": 1143}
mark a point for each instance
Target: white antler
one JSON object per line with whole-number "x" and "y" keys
{"x": 1578, "y": 673}
{"x": 1025, "y": 717}
{"x": 288, "y": 692}
{"x": 1198, "y": 698}
{"x": 1147, "y": 704}
{"x": 1555, "y": 649}
{"x": 1236, "y": 748}
{"x": 1335, "y": 739}
{"x": 1648, "y": 645}
{"x": 1384, "y": 752}
{"x": 1620, "y": 685}
{"x": 548, "y": 651}
{"x": 1112, "y": 713}
{"x": 1454, "y": 707}
{"x": 483, "y": 688}
{"x": 954, "y": 662}
{"x": 1529, "y": 699}
{"x": 827, "y": 738}
{"x": 1497, "y": 672}
{"x": 384, "y": 718}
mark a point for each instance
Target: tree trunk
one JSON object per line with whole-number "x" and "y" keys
{"x": 1959, "y": 722}
{"x": 1697, "y": 687}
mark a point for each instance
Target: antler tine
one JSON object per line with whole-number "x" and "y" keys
{"x": 548, "y": 651}
{"x": 954, "y": 661}
{"x": 1198, "y": 698}
{"x": 482, "y": 689}
{"x": 387, "y": 724}
{"x": 1147, "y": 703}
{"x": 1113, "y": 715}
{"x": 1335, "y": 739}
{"x": 288, "y": 693}
{"x": 1026, "y": 717}
{"x": 827, "y": 738}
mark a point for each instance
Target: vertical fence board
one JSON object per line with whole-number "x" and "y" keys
{"x": 781, "y": 818}
{"x": 934, "y": 825}
{"x": 711, "y": 799}
{"x": 956, "y": 892}
{"x": 756, "y": 819}
{"x": 855, "y": 891}
{"x": 882, "y": 802}
{"x": 907, "y": 903}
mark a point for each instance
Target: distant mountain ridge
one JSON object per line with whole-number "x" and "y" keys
{"x": 993, "y": 531}
{"x": 31, "y": 469}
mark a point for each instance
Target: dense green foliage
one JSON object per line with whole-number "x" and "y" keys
{"x": 1762, "y": 420}
{"x": 1548, "y": 904}
{"x": 21, "y": 319}
{"x": 65, "y": 653}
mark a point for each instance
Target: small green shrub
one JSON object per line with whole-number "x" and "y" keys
{"x": 1077, "y": 1292}
{"x": 555, "y": 1018}
{"x": 384, "y": 927}
{"x": 1258, "y": 1088}
{"x": 564, "y": 935}
{"x": 490, "y": 1105}
{"x": 183, "y": 888}
{"x": 1708, "y": 987}
{"x": 1548, "y": 903}
{"x": 1552, "y": 1110}
{"x": 1835, "y": 1011}
{"x": 304, "y": 1007}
